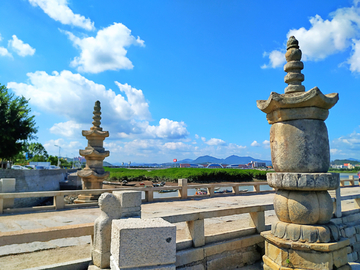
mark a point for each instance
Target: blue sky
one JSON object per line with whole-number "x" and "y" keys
{"x": 176, "y": 79}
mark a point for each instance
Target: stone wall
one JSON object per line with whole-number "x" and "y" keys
{"x": 230, "y": 254}
{"x": 349, "y": 225}
{"x": 34, "y": 180}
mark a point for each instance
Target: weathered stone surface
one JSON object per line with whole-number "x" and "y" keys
{"x": 281, "y": 205}
{"x": 300, "y": 146}
{"x": 133, "y": 242}
{"x": 300, "y": 155}
{"x": 129, "y": 198}
{"x": 350, "y": 231}
{"x": 311, "y": 98}
{"x": 304, "y": 233}
{"x": 310, "y": 260}
{"x": 110, "y": 209}
{"x": 7, "y": 185}
{"x": 303, "y": 207}
{"x": 282, "y": 115}
{"x": 303, "y": 181}
{"x": 93, "y": 174}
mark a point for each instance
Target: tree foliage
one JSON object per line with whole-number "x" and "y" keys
{"x": 38, "y": 152}
{"x": 16, "y": 124}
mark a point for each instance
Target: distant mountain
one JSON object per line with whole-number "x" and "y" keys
{"x": 229, "y": 160}
{"x": 206, "y": 159}
{"x": 186, "y": 161}
{"x": 342, "y": 161}
{"x": 200, "y": 160}
{"x": 241, "y": 160}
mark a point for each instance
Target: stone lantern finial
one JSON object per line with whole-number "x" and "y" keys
{"x": 96, "y": 123}
{"x": 293, "y": 67}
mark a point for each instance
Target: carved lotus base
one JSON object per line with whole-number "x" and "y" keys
{"x": 306, "y": 233}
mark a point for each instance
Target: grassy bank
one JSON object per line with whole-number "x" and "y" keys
{"x": 345, "y": 170}
{"x": 197, "y": 175}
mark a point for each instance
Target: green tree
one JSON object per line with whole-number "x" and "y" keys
{"x": 16, "y": 124}
{"x": 38, "y": 152}
{"x": 53, "y": 160}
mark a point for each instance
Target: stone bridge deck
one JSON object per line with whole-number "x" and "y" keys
{"x": 28, "y": 221}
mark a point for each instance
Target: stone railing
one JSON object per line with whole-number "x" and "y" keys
{"x": 337, "y": 198}
{"x": 194, "y": 220}
{"x": 59, "y": 203}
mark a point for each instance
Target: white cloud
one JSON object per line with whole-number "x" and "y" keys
{"x": 68, "y": 129}
{"x": 354, "y": 60}
{"x": 255, "y": 144}
{"x": 177, "y": 146}
{"x": 266, "y": 144}
{"x": 326, "y": 37}
{"x": 335, "y": 151}
{"x": 276, "y": 58}
{"x": 106, "y": 51}
{"x": 67, "y": 148}
{"x": 59, "y": 11}
{"x": 214, "y": 141}
{"x": 21, "y": 48}
{"x": 73, "y": 96}
{"x": 346, "y": 146}
{"x": 4, "y": 52}
{"x": 168, "y": 129}
{"x": 154, "y": 150}
{"x": 197, "y": 136}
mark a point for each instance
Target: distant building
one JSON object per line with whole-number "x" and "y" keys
{"x": 214, "y": 166}
{"x": 256, "y": 164}
{"x": 349, "y": 166}
{"x": 238, "y": 166}
{"x": 188, "y": 165}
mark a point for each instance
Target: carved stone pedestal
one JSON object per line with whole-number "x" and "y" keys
{"x": 286, "y": 254}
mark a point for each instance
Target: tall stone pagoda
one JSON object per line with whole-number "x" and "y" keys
{"x": 93, "y": 174}
{"x": 304, "y": 237}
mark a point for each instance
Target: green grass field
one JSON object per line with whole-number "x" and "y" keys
{"x": 198, "y": 175}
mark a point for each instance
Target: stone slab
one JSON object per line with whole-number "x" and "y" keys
{"x": 133, "y": 241}
{"x": 130, "y": 198}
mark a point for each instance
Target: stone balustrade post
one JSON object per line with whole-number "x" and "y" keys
{"x": 337, "y": 203}
{"x": 258, "y": 221}
{"x": 256, "y": 188}
{"x": 119, "y": 204}
{"x": 143, "y": 244}
{"x": 236, "y": 189}
{"x": 149, "y": 195}
{"x": 211, "y": 191}
{"x": 196, "y": 231}
{"x": 59, "y": 202}
{"x": 183, "y": 192}
{"x": 7, "y": 185}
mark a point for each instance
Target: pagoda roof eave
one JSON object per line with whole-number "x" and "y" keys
{"x": 312, "y": 98}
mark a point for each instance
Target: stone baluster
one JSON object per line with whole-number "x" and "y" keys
{"x": 119, "y": 204}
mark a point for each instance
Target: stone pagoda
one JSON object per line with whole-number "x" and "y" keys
{"x": 93, "y": 174}
{"x": 304, "y": 237}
